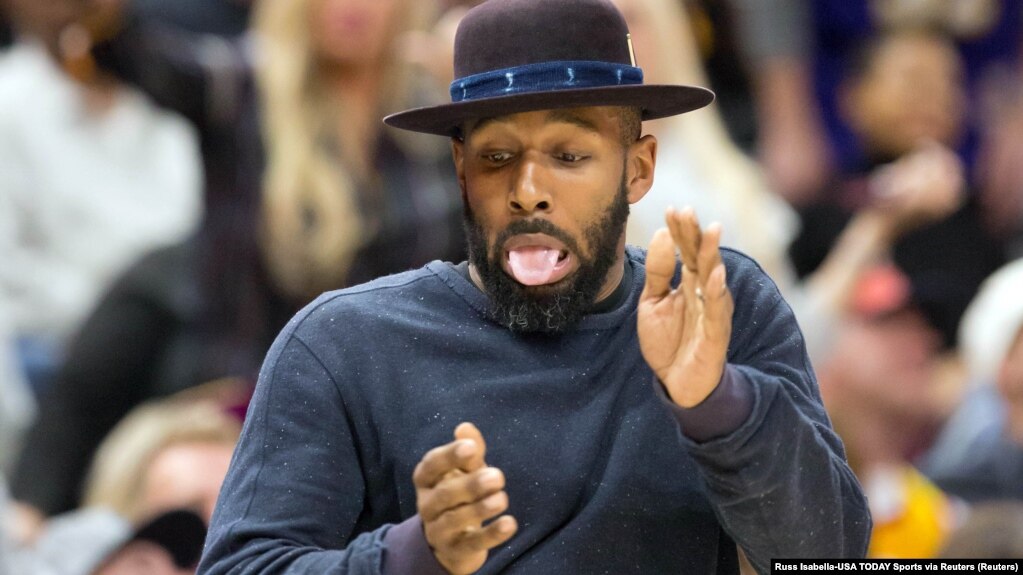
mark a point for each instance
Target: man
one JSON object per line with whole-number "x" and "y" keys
{"x": 631, "y": 426}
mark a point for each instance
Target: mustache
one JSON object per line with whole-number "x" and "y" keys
{"x": 535, "y": 226}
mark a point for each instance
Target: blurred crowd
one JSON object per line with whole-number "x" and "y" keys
{"x": 179, "y": 177}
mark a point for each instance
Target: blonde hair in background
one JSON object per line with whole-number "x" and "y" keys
{"x": 312, "y": 224}
{"x": 118, "y": 473}
{"x": 737, "y": 180}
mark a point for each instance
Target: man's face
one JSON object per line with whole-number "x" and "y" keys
{"x": 546, "y": 199}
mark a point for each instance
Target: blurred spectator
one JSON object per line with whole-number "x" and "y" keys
{"x": 93, "y": 176}
{"x": 905, "y": 101}
{"x": 987, "y": 33}
{"x": 782, "y": 62}
{"x": 919, "y": 189}
{"x": 717, "y": 29}
{"x": 979, "y": 455}
{"x": 342, "y": 201}
{"x": 165, "y": 455}
{"x": 999, "y": 172}
{"x": 879, "y": 385}
{"x": 99, "y": 542}
{"x": 991, "y": 531}
{"x": 723, "y": 185}
{"x": 759, "y": 59}
{"x": 700, "y": 166}
{"x": 42, "y": 21}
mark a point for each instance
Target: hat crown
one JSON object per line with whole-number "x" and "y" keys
{"x": 500, "y": 34}
{"x": 515, "y": 56}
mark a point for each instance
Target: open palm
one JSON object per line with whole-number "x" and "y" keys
{"x": 684, "y": 332}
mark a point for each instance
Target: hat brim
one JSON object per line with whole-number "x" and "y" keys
{"x": 655, "y": 101}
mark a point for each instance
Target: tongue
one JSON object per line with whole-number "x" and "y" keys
{"x": 533, "y": 266}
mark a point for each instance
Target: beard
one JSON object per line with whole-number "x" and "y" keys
{"x": 556, "y": 307}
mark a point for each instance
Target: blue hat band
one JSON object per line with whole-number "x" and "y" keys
{"x": 544, "y": 77}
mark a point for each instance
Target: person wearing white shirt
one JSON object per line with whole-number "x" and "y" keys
{"x": 92, "y": 176}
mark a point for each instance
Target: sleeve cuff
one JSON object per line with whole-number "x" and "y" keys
{"x": 721, "y": 413}
{"x": 406, "y": 550}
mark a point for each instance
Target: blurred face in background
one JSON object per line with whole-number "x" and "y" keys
{"x": 352, "y": 32}
{"x": 43, "y": 19}
{"x": 889, "y": 364}
{"x": 186, "y": 476}
{"x": 910, "y": 91}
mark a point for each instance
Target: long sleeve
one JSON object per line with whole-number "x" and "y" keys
{"x": 780, "y": 483}
{"x": 293, "y": 497}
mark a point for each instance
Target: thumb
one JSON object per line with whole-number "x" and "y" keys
{"x": 660, "y": 265}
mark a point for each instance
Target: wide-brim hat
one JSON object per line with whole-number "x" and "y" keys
{"x": 516, "y": 56}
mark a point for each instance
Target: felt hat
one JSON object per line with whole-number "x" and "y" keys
{"x": 523, "y": 55}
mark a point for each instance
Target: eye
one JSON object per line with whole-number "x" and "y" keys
{"x": 569, "y": 158}
{"x": 497, "y": 157}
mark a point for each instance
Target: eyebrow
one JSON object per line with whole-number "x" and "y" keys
{"x": 563, "y": 116}
{"x": 570, "y": 117}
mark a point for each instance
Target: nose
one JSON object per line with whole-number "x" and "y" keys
{"x": 530, "y": 191}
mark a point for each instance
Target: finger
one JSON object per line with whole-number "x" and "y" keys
{"x": 710, "y": 253}
{"x": 660, "y": 265}
{"x": 681, "y": 232}
{"x": 718, "y": 306}
{"x": 439, "y": 461}
{"x": 497, "y": 533}
{"x": 689, "y": 228}
{"x": 457, "y": 491}
{"x": 468, "y": 431}
{"x": 455, "y": 524}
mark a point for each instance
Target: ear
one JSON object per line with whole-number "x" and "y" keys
{"x": 641, "y": 157}
{"x": 458, "y": 156}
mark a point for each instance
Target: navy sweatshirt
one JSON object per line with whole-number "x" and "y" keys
{"x": 601, "y": 474}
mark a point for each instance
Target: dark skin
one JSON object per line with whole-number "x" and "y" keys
{"x": 565, "y": 166}
{"x": 43, "y": 19}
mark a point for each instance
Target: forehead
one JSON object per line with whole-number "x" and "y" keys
{"x": 600, "y": 120}
{"x": 916, "y": 50}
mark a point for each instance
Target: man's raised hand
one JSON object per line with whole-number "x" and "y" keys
{"x": 455, "y": 493}
{"x": 684, "y": 332}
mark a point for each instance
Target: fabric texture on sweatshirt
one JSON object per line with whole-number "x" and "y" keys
{"x": 600, "y": 476}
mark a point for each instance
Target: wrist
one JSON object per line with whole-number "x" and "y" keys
{"x": 408, "y": 551}
{"x": 689, "y": 390}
